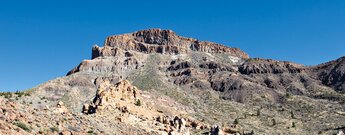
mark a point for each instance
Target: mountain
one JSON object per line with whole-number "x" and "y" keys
{"x": 157, "y": 82}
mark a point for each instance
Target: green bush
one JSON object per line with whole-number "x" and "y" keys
{"x": 138, "y": 102}
{"x": 27, "y": 94}
{"x": 258, "y": 112}
{"x": 22, "y": 125}
{"x": 19, "y": 94}
{"x": 292, "y": 115}
{"x": 54, "y": 129}
{"x": 293, "y": 124}
{"x": 236, "y": 121}
{"x": 288, "y": 95}
{"x": 6, "y": 94}
{"x": 274, "y": 122}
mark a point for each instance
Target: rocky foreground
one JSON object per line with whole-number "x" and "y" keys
{"x": 156, "y": 82}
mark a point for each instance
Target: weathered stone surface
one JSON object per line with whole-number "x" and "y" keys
{"x": 61, "y": 107}
{"x": 261, "y": 66}
{"x": 108, "y": 95}
{"x": 161, "y": 41}
{"x": 331, "y": 73}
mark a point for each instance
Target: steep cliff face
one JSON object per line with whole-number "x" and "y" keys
{"x": 161, "y": 41}
{"x": 130, "y": 50}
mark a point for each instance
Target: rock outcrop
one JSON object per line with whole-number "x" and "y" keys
{"x": 108, "y": 94}
{"x": 160, "y": 41}
{"x": 61, "y": 107}
{"x": 331, "y": 73}
{"x": 262, "y": 66}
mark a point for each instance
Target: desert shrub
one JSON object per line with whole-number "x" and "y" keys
{"x": 288, "y": 95}
{"x": 6, "y": 94}
{"x": 19, "y": 94}
{"x": 27, "y": 94}
{"x": 274, "y": 122}
{"x": 236, "y": 121}
{"x": 258, "y": 112}
{"x": 293, "y": 124}
{"x": 90, "y": 132}
{"x": 138, "y": 102}
{"x": 22, "y": 125}
{"x": 292, "y": 115}
{"x": 54, "y": 129}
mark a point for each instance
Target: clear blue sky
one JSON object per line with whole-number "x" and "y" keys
{"x": 42, "y": 40}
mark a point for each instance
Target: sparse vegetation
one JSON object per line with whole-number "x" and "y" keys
{"x": 22, "y": 126}
{"x": 19, "y": 93}
{"x": 6, "y": 94}
{"x": 292, "y": 115}
{"x": 27, "y": 94}
{"x": 54, "y": 129}
{"x": 274, "y": 122}
{"x": 293, "y": 124}
{"x": 138, "y": 102}
{"x": 281, "y": 108}
{"x": 258, "y": 111}
{"x": 236, "y": 121}
{"x": 287, "y": 95}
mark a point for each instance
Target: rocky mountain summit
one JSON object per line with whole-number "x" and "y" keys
{"x": 156, "y": 82}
